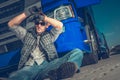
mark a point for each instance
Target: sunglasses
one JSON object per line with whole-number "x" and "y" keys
{"x": 41, "y": 23}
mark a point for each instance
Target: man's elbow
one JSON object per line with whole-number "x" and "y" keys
{"x": 10, "y": 24}
{"x": 60, "y": 25}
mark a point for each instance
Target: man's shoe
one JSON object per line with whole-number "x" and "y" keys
{"x": 66, "y": 70}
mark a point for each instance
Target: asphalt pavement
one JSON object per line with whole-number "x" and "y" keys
{"x": 106, "y": 69}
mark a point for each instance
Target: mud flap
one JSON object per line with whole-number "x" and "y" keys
{"x": 104, "y": 54}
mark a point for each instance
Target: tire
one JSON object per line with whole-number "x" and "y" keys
{"x": 104, "y": 48}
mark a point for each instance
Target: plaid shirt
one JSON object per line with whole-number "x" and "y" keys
{"x": 46, "y": 43}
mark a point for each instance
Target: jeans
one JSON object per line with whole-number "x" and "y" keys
{"x": 31, "y": 72}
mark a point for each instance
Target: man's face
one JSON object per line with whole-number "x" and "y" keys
{"x": 40, "y": 28}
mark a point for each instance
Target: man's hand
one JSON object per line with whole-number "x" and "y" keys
{"x": 32, "y": 9}
{"x": 37, "y": 17}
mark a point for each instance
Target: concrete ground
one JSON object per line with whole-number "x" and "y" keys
{"x": 107, "y": 69}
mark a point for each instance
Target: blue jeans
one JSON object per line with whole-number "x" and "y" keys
{"x": 30, "y": 72}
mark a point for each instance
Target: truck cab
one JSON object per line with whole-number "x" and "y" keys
{"x": 79, "y": 30}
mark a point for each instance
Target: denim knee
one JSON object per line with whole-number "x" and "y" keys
{"x": 76, "y": 56}
{"x": 78, "y": 53}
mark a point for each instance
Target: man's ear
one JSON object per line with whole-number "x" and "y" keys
{"x": 47, "y": 25}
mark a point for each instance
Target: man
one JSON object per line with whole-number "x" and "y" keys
{"x": 39, "y": 58}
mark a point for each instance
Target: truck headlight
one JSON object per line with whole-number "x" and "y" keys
{"x": 63, "y": 12}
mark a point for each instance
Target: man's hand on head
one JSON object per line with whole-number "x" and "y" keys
{"x": 32, "y": 9}
{"x": 37, "y": 17}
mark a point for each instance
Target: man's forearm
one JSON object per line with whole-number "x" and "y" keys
{"x": 55, "y": 23}
{"x": 17, "y": 20}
